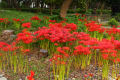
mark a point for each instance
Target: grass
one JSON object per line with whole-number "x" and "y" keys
{"x": 20, "y": 15}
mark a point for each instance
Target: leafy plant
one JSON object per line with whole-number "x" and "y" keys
{"x": 113, "y": 22}
{"x": 117, "y": 16}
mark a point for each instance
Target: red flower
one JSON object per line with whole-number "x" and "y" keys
{"x": 90, "y": 74}
{"x": 85, "y": 75}
{"x": 55, "y": 57}
{"x": 35, "y": 18}
{"x": 66, "y": 48}
{"x": 27, "y": 25}
{"x": 71, "y": 26}
{"x": 56, "y": 44}
{"x": 25, "y": 36}
{"x": 81, "y": 50}
{"x": 105, "y": 56}
{"x": 52, "y": 21}
{"x": 18, "y": 20}
{"x": 77, "y": 14}
{"x": 59, "y": 49}
{"x": 30, "y": 77}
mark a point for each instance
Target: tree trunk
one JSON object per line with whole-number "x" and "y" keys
{"x": 37, "y": 3}
{"x": 64, "y": 8}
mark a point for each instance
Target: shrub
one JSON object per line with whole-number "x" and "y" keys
{"x": 117, "y": 16}
{"x": 3, "y": 4}
{"x": 113, "y": 22}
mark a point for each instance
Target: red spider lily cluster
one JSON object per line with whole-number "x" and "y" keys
{"x": 55, "y": 33}
{"x": 30, "y": 77}
{"x": 25, "y": 36}
{"x": 3, "y": 20}
{"x": 35, "y": 18}
{"x": 26, "y": 25}
{"x": 52, "y": 21}
{"x": 18, "y": 20}
{"x": 81, "y": 46}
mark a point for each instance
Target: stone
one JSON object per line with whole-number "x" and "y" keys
{"x": 8, "y": 32}
{"x": 3, "y": 78}
{"x": 69, "y": 79}
{"x": 110, "y": 78}
{"x": 43, "y": 53}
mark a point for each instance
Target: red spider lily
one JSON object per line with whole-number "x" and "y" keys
{"x": 55, "y": 57}
{"x": 112, "y": 53}
{"x": 4, "y": 20}
{"x": 35, "y": 18}
{"x": 55, "y": 33}
{"x": 118, "y": 59}
{"x": 117, "y": 44}
{"x": 92, "y": 41}
{"x": 2, "y": 44}
{"x": 93, "y": 26}
{"x": 62, "y": 21}
{"x": 10, "y": 48}
{"x": 59, "y": 49}
{"x": 90, "y": 74}
{"x": 102, "y": 30}
{"x": 104, "y": 44}
{"x": 118, "y": 26}
{"x": 105, "y": 56}
{"x": 30, "y": 77}
{"x": 26, "y": 25}
{"x": 18, "y": 20}
{"x": 109, "y": 51}
{"x": 1, "y": 19}
{"x": 80, "y": 20}
{"x": 83, "y": 15}
{"x": 62, "y": 62}
{"x": 1, "y": 54}
{"x": 56, "y": 44}
{"x": 77, "y": 14}
{"x": 85, "y": 75}
{"x": 52, "y": 21}
{"x": 71, "y": 26}
{"x": 81, "y": 50}
{"x": 25, "y": 36}
{"x": 7, "y": 47}
{"x": 46, "y": 17}
{"x": 66, "y": 48}
{"x": 112, "y": 31}
{"x": 25, "y": 50}
{"x": 83, "y": 36}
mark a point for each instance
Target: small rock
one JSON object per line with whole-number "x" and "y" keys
{"x": 8, "y": 32}
{"x": 13, "y": 36}
{"x": 110, "y": 78}
{"x": 1, "y": 75}
{"x": 3, "y": 78}
{"x": 42, "y": 53}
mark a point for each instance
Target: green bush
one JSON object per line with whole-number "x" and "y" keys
{"x": 105, "y": 11}
{"x": 89, "y": 11}
{"x": 113, "y": 22}
{"x": 117, "y": 16}
{"x": 3, "y": 4}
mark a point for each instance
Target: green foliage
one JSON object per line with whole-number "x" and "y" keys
{"x": 117, "y": 16}
{"x": 89, "y": 11}
{"x": 113, "y": 22}
{"x": 3, "y": 4}
{"x": 105, "y": 11}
